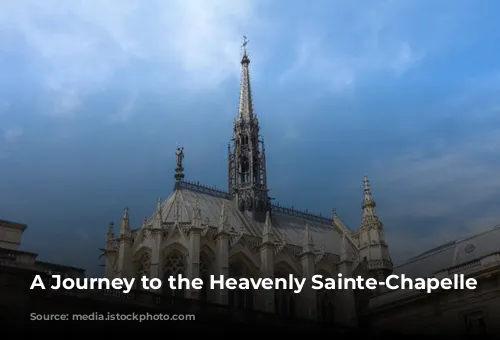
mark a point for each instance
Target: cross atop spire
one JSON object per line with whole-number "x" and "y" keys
{"x": 244, "y": 45}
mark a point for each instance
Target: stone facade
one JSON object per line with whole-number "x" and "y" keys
{"x": 11, "y": 256}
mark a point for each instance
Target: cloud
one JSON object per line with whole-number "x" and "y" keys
{"x": 440, "y": 190}
{"x": 454, "y": 179}
{"x": 80, "y": 47}
{"x": 347, "y": 43}
{"x": 12, "y": 134}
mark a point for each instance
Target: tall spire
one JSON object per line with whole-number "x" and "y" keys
{"x": 245, "y": 108}
{"x": 247, "y": 178}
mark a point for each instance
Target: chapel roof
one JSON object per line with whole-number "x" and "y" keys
{"x": 289, "y": 223}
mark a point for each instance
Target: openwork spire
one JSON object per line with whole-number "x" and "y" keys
{"x": 245, "y": 108}
{"x": 247, "y": 179}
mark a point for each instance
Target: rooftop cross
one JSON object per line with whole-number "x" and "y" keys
{"x": 244, "y": 45}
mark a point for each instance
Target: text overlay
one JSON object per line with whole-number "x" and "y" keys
{"x": 296, "y": 284}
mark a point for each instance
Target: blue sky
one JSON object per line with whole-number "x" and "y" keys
{"x": 95, "y": 96}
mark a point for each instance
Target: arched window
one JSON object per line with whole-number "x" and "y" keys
{"x": 144, "y": 267}
{"x": 173, "y": 265}
{"x": 205, "y": 268}
{"x": 240, "y": 298}
{"x": 284, "y": 299}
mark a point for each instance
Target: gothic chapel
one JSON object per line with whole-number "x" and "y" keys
{"x": 199, "y": 231}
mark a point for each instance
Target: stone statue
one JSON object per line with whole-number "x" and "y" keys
{"x": 180, "y": 156}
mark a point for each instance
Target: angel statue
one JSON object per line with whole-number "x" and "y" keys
{"x": 180, "y": 156}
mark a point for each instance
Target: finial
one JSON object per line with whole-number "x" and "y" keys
{"x": 366, "y": 183}
{"x": 223, "y": 226}
{"x": 334, "y": 212}
{"x": 125, "y": 212}
{"x": 110, "y": 237}
{"x": 367, "y": 193}
{"x": 110, "y": 230}
{"x": 308, "y": 240}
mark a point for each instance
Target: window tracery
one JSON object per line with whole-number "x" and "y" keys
{"x": 284, "y": 299}
{"x": 174, "y": 265}
{"x": 144, "y": 266}
{"x": 240, "y": 298}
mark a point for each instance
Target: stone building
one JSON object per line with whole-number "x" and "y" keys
{"x": 11, "y": 234}
{"x": 198, "y": 231}
{"x": 473, "y": 312}
{"x": 18, "y": 267}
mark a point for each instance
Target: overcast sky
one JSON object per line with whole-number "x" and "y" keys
{"x": 96, "y": 95}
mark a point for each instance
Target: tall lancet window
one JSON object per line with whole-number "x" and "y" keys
{"x": 173, "y": 265}
{"x": 143, "y": 267}
{"x": 205, "y": 267}
{"x": 284, "y": 299}
{"x": 240, "y": 298}
{"x": 244, "y": 170}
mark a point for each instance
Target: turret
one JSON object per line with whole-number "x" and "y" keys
{"x": 372, "y": 244}
{"x": 110, "y": 252}
{"x": 124, "y": 244}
